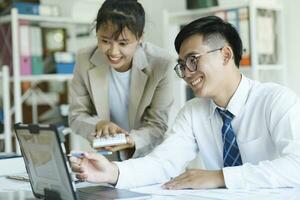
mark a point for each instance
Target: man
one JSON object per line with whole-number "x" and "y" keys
{"x": 247, "y": 133}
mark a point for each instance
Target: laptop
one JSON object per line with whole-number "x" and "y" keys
{"x": 49, "y": 171}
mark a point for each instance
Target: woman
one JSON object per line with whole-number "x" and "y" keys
{"x": 123, "y": 84}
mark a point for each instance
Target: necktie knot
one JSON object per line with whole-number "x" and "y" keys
{"x": 226, "y": 115}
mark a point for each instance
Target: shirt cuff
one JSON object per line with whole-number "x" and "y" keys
{"x": 123, "y": 181}
{"x": 233, "y": 177}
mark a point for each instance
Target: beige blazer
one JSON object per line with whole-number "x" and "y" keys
{"x": 150, "y": 101}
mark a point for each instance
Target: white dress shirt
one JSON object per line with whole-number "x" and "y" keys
{"x": 267, "y": 128}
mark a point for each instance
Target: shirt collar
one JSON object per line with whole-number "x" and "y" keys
{"x": 238, "y": 99}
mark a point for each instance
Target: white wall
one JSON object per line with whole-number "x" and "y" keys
{"x": 154, "y": 17}
{"x": 292, "y": 32}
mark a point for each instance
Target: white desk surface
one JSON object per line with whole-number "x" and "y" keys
{"x": 19, "y": 190}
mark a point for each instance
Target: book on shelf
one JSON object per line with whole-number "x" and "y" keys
{"x": 29, "y": 7}
{"x": 233, "y": 18}
{"x": 25, "y": 49}
{"x": 6, "y": 47}
{"x": 24, "y": 6}
{"x": 64, "y": 62}
{"x": 54, "y": 40}
{"x": 239, "y": 18}
{"x": 36, "y": 50}
{"x": 244, "y": 30}
{"x": 266, "y": 40}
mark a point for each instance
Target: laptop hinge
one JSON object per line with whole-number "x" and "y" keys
{"x": 51, "y": 194}
{"x": 34, "y": 128}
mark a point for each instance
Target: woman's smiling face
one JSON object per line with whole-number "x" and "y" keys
{"x": 119, "y": 51}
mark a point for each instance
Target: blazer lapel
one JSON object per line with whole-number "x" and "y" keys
{"x": 99, "y": 77}
{"x": 137, "y": 85}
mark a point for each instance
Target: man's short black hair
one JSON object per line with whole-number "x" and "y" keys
{"x": 215, "y": 32}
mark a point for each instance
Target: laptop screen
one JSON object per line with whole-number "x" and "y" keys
{"x": 45, "y": 160}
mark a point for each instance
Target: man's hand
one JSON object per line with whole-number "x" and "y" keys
{"x": 95, "y": 168}
{"x": 197, "y": 179}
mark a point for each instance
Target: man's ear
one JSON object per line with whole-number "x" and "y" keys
{"x": 227, "y": 54}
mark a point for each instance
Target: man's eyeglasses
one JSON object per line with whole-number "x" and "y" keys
{"x": 191, "y": 63}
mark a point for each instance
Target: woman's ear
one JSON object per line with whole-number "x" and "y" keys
{"x": 141, "y": 39}
{"x": 227, "y": 54}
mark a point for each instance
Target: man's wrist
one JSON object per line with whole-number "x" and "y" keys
{"x": 221, "y": 180}
{"x": 115, "y": 174}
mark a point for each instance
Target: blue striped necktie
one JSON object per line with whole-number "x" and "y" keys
{"x": 231, "y": 152}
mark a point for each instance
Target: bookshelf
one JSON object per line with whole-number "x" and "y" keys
{"x": 38, "y": 19}
{"x": 6, "y": 136}
{"x": 46, "y": 77}
{"x": 260, "y": 24}
{"x": 15, "y": 20}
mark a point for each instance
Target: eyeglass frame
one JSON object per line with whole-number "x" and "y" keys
{"x": 195, "y": 56}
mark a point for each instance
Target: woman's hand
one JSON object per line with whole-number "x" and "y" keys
{"x": 107, "y": 128}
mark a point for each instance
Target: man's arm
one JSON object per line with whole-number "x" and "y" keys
{"x": 283, "y": 120}
{"x": 168, "y": 160}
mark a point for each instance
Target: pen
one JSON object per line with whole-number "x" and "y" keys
{"x": 81, "y": 154}
{"x": 104, "y": 152}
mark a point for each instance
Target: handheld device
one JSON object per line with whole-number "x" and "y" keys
{"x": 110, "y": 141}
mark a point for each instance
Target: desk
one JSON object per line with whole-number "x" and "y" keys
{"x": 16, "y": 195}
{"x": 18, "y": 190}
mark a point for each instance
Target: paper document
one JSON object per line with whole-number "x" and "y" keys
{"x": 226, "y": 194}
{"x": 13, "y": 185}
{"x": 158, "y": 190}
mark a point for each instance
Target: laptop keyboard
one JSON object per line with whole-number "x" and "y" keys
{"x": 94, "y": 192}
{"x": 105, "y": 192}
{"x": 86, "y": 196}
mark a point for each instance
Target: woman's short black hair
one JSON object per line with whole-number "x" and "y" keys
{"x": 122, "y": 13}
{"x": 214, "y": 29}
